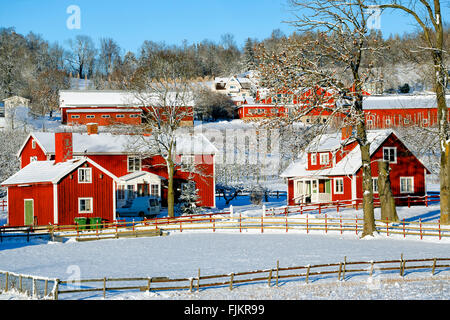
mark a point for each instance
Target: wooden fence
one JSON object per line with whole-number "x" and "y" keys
{"x": 32, "y": 286}
{"x": 271, "y": 276}
{"x": 3, "y": 204}
{"x": 306, "y": 217}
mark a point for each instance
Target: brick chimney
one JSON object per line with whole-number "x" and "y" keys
{"x": 346, "y": 132}
{"x": 63, "y": 146}
{"x": 92, "y": 128}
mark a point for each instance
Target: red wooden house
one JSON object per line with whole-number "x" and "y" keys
{"x": 60, "y": 190}
{"x": 330, "y": 168}
{"x": 137, "y": 175}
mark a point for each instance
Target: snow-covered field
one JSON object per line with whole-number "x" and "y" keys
{"x": 180, "y": 255}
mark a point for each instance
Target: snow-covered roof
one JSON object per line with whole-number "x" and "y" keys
{"x": 107, "y": 143}
{"x": 101, "y": 110}
{"x": 401, "y": 101}
{"x": 140, "y": 174}
{"x": 348, "y": 165}
{"x": 87, "y": 98}
{"x": 49, "y": 171}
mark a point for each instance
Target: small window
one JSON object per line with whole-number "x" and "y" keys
{"x": 74, "y": 116}
{"x": 90, "y": 116}
{"x": 106, "y": 116}
{"x": 339, "y": 185}
{"x": 33, "y": 159}
{"x": 33, "y": 144}
{"x": 85, "y": 205}
{"x": 406, "y": 184}
{"x": 84, "y": 175}
{"x": 134, "y": 164}
{"x": 375, "y": 185}
{"x": 134, "y": 115}
{"x": 120, "y": 116}
{"x": 390, "y": 154}
{"x": 388, "y": 122}
{"x": 324, "y": 158}
{"x": 313, "y": 159}
{"x": 154, "y": 190}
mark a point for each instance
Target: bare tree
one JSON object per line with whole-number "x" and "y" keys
{"x": 327, "y": 72}
{"x": 82, "y": 55}
{"x": 163, "y": 88}
{"x": 428, "y": 16}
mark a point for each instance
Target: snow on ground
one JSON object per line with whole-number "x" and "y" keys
{"x": 180, "y": 255}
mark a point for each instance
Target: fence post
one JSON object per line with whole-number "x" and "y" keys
{"x": 214, "y": 225}
{"x": 404, "y": 234}
{"x": 240, "y": 222}
{"x": 55, "y": 294}
{"x": 434, "y": 267}
{"x": 307, "y": 231}
{"x": 439, "y": 227}
{"x": 6, "y": 281}
{"x": 307, "y": 273}
{"x": 262, "y": 224}
{"x": 343, "y": 268}
{"x": 337, "y": 207}
{"x": 269, "y": 278}
{"x": 104, "y": 287}
{"x": 409, "y": 203}
{"x": 231, "y": 210}
{"x": 198, "y": 280}
{"x": 420, "y": 225}
{"x": 326, "y": 229}
{"x": 286, "y": 224}
{"x": 340, "y": 269}
{"x": 426, "y": 200}
{"x": 401, "y": 263}
{"x": 387, "y": 227}
{"x": 340, "y": 222}
{"x": 356, "y": 224}
{"x": 278, "y": 267}
{"x": 231, "y": 281}
{"x": 319, "y": 209}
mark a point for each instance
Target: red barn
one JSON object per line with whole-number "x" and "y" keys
{"x": 111, "y": 107}
{"x": 58, "y": 191}
{"x": 330, "y": 169}
{"x": 114, "y": 153}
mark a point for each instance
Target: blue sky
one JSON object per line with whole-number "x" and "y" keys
{"x": 133, "y": 21}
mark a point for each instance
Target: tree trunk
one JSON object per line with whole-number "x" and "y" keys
{"x": 387, "y": 202}
{"x": 170, "y": 191}
{"x": 445, "y": 184}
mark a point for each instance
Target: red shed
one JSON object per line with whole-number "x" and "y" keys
{"x": 58, "y": 191}
{"x": 330, "y": 168}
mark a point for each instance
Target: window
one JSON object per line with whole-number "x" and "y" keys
{"x": 84, "y": 175}
{"x": 33, "y": 144}
{"x": 75, "y": 117}
{"x": 105, "y": 116}
{"x": 339, "y": 185}
{"x": 120, "y": 116}
{"x": 90, "y": 116}
{"x": 134, "y": 116}
{"x": 33, "y": 159}
{"x": 313, "y": 158}
{"x": 324, "y": 158}
{"x": 390, "y": 154}
{"x": 375, "y": 185}
{"x": 406, "y": 184}
{"x": 154, "y": 190}
{"x": 388, "y": 122}
{"x": 85, "y": 205}
{"x": 134, "y": 164}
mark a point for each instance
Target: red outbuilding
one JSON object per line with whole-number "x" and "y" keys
{"x": 330, "y": 169}
{"x": 60, "y": 190}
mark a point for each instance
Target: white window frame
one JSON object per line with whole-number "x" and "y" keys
{"x": 74, "y": 116}
{"x": 395, "y": 154}
{"x": 375, "y": 184}
{"x": 133, "y": 167}
{"x": 120, "y": 116}
{"x": 91, "y": 209}
{"x": 327, "y": 158}
{"x": 106, "y": 116}
{"x": 412, "y": 184}
{"x": 90, "y": 116}
{"x": 341, "y": 185}
{"x": 33, "y": 159}
{"x": 313, "y": 159}
{"x": 86, "y": 176}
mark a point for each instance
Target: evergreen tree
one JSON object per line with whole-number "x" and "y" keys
{"x": 189, "y": 198}
{"x": 249, "y": 55}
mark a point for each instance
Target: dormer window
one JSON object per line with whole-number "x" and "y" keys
{"x": 313, "y": 159}
{"x": 33, "y": 144}
{"x": 324, "y": 158}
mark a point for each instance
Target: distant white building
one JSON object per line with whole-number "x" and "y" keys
{"x": 11, "y": 105}
{"x": 239, "y": 89}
